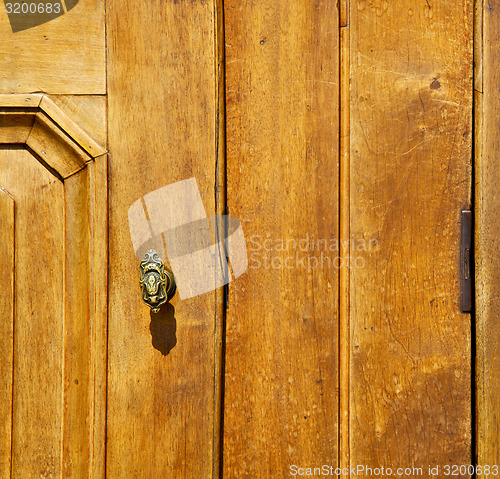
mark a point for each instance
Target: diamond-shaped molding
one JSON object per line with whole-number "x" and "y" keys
{"x": 36, "y": 122}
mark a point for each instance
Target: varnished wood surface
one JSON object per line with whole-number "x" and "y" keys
{"x": 15, "y": 127}
{"x": 362, "y": 133}
{"x": 281, "y": 376}
{"x": 37, "y": 123}
{"x": 89, "y": 112}
{"x": 72, "y": 129}
{"x": 162, "y": 129}
{"x": 344, "y": 235}
{"x": 85, "y": 320}
{"x": 56, "y": 149}
{"x": 60, "y": 300}
{"x": 7, "y": 252}
{"x": 39, "y": 314}
{"x": 66, "y": 55}
{"x": 98, "y": 322}
{"x": 487, "y": 223}
{"x": 410, "y": 176}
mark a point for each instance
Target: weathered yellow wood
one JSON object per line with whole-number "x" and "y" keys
{"x": 66, "y": 55}
{"x": 98, "y": 302}
{"x": 55, "y": 148}
{"x": 7, "y": 272}
{"x": 72, "y": 129}
{"x": 15, "y": 127}
{"x": 88, "y": 112}
{"x": 362, "y": 134}
{"x": 410, "y": 176}
{"x": 38, "y": 123}
{"x": 281, "y": 401}
{"x": 487, "y": 227}
{"x": 39, "y": 314}
{"x": 344, "y": 236}
{"x": 84, "y": 327}
{"x": 162, "y": 89}
{"x": 60, "y": 306}
{"x": 20, "y": 100}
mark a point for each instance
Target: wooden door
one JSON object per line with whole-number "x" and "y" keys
{"x": 340, "y": 136}
{"x": 54, "y": 280}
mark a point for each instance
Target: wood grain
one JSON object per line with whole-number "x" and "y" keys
{"x": 89, "y": 112}
{"x": 388, "y": 168}
{"x": 19, "y": 100}
{"x": 61, "y": 318}
{"x": 77, "y": 328}
{"x": 98, "y": 301}
{"x": 15, "y": 127}
{"x": 77, "y": 444}
{"x": 281, "y": 401}
{"x": 487, "y": 224}
{"x": 72, "y": 129}
{"x": 220, "y": 209}
{"x": 7, "y": 245}
{"x": 65, "y": 55}
{"x": 55, "y": 148}
{"x": 39, "y": 314}
{"x": 162, "y": 123}
{"x": 49, "y": 133}
{"x": 410, "y": 176}
{"x": 344, "y": 234}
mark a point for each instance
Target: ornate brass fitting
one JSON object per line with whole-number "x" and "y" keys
{"x": 157, "y": 283}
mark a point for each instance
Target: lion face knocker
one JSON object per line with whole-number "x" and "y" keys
{"x": 158, "y": 285}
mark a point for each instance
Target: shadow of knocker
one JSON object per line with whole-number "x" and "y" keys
{"x": 163, "y": 328}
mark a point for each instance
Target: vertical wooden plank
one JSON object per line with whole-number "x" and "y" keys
{"x": 77, "y": 327}
{"x": 77, "y": 340}
{"x": 410, "y": 168}
{"x": 98, "y": 198}
{"x": 487, "y": 244}
{"x": 39, "y": 313}
{"x": 162, "y": 123}
{"x": 220, "y": 208}
{"x": 6, "y": 327}
{"x": 281, "y": 401}
{"x": 344, "y": 233}
{"x": 85, "y": 347}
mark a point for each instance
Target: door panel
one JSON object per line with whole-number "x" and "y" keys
{"x": 163, "y": 120}
{"x": 84, "y": 371}
{"x": 281, "y": 369}
{"x": 7, "y": 245}
{"x": 59, "y": 294}
{"x": 340, "y": 135}
{"x": 39, "y": 314}
{"x": 410, "y": 176}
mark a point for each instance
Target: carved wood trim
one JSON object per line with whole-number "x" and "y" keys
{"x": 36, "y": 121}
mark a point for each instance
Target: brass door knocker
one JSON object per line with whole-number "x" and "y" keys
{"x": 157, "y": 283}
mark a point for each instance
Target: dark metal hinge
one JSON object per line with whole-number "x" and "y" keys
{"x": 466, "y": 266}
